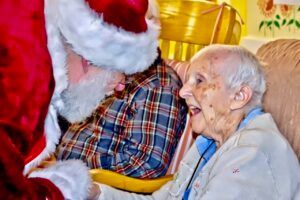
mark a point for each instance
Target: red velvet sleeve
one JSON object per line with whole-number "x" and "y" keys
{"x": 13, "y": 184}
{"x": 26, "y": 86}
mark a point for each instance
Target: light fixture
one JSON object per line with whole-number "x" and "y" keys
{"x": 287, "y": 2}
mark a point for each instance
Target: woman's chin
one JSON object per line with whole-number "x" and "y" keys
{"x": 197, "y": 130}
{"x": 195, "y": 135}
{"x": 197, "y": 124}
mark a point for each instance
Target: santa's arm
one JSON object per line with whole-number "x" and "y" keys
{"x": 64, "y": 180}
{"x": 14, "y": 185}
{"x": 71, "y": 177}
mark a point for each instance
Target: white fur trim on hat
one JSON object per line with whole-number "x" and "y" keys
{"x": 102, "y": 44}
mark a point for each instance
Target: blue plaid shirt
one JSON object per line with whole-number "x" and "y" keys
{"x": 133, "y": 132}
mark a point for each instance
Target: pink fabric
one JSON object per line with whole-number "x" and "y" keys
{"x": 183, "y": 146}
{"x": 181, "y": 67}
{"x": 186, "y": 140}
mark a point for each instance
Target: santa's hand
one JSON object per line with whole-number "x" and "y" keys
{"x": 44, "y": 164}
{"x": 71, "y": 177}
{"x": 94, "y": 192}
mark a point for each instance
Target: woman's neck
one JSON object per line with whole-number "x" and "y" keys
{"x": 234, "y": 120}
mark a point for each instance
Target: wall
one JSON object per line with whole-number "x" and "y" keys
{"x": 267, "y": 20}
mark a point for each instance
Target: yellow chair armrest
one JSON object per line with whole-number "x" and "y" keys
{"x": 128, "y": 183}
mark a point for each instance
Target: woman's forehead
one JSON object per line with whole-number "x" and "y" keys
{"x": 203, "y": 64}
{"x": 214, "y": 63}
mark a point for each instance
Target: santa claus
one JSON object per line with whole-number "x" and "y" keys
{"x": 27, "y": 85}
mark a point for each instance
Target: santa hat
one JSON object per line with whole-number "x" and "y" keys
{"x": 113, "y": 34}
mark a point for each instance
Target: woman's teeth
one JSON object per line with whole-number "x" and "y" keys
{"x": 194, "y": 110}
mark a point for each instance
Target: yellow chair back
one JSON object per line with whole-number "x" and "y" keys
{"x": 189, "y": 25}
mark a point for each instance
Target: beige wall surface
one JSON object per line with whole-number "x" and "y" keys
{"x": 269, "y": 20}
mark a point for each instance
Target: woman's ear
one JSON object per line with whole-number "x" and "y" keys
{"x": 241, "y": 97}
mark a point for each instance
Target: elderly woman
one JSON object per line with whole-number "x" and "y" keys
{"x": 224, "y": 91}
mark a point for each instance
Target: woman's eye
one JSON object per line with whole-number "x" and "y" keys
{"x": 198, "y": 81}
{"x": 199, "y": 78}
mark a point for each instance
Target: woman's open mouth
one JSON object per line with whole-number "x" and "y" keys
{"x": 194, "y": 110}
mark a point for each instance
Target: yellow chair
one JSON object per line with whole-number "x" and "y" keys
{"x": 187, "y": 26}
{"x": 128, "y": 183}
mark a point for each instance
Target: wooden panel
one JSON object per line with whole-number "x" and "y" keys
{"x": 188, "y": 28}
{"x": 183, "y": 21}
{"x": 165, "y": 46}
{"x": 178, "y": 51}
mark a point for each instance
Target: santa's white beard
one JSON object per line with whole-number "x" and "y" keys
{"x": 81, "y": 99}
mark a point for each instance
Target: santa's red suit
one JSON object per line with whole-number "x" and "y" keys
{"x": 26, "y": 87}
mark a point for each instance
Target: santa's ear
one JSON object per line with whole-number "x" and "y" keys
{"x": 241, "y": 97}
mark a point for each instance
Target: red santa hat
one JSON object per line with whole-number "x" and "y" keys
{"x": 112, "y": 34}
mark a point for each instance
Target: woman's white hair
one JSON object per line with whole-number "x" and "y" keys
{"x": 248, "y": 72}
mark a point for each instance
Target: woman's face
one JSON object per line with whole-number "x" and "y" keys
{"x": 207, "y": 97}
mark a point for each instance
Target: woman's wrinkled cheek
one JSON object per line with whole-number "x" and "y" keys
{"x": 212, "y": 117}
{"x": 201, "y": 95}
{"x": 216, "y": 115}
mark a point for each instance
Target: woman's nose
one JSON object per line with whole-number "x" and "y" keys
{"x": 185, "y": 91}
